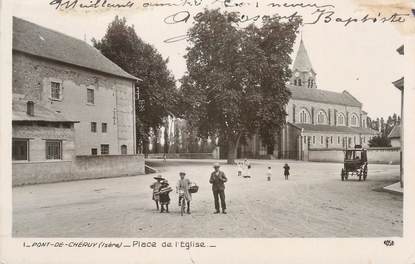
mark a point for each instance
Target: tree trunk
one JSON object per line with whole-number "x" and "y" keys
{"x": 232, "y": 149}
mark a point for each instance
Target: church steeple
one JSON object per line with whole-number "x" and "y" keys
{"x": 303, "y": 72}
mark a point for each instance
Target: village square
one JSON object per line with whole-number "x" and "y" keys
{"x": 108, "y": 142}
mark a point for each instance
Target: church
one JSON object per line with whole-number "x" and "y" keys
{"x": 316, "y": 118}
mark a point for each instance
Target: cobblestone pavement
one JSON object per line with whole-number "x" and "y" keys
{"x": 314, "y": 202}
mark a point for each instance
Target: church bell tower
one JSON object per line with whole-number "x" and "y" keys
{"x": 303, "y": 74}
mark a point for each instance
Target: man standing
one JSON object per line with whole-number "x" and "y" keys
{"x": 218, "y": 179}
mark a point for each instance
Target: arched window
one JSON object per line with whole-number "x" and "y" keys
{"x": 304, "y": 116}
{"x": 123, "y": 150}
{"x": 354, "y": 120}
{"x": 340, "y": 119}
{"x": 310, "y": 83}
{"x": 321, "y": 118}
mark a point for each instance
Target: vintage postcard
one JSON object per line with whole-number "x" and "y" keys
{"x": 193, "y": 131}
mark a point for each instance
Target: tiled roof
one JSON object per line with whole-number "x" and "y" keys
{"x": 302, "y": 62}
{"x": 323, "y": 96}
{"x": 335, "y": 129}
{"x": 43, "y": 42}
{"x": 41, "y": 113}
{"x": 396, "y": 132}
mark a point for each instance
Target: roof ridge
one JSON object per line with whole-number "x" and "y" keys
{"x": 349, "y": 94}
{"x": 54, "y": 34}
{"x": 51, "y": 29}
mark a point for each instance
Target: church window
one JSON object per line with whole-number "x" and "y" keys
{"x": 354, "y": 120}
{"x": 340, "y": 119}
{"x": 321, "y": 118}
{"x": 304, "y": 116}
{"x": 310, "y": 83}
{"x": 299, "y": 82}
{"x": 295, "y": 82}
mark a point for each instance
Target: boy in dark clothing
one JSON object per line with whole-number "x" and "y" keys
{"x": 286, "y": 171}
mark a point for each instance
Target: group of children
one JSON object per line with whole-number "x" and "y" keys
{"x": 161, "y": 192}
{"x": 245, "y": 167}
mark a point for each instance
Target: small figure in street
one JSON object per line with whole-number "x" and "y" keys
{"x": 286, "y": 171}
{"x": 183, "y": 186}
{"x": 269, "y": 173}
{"x": 164, "y": 191}
{"x": 240, "y": 168}
{"x": 156, "y": 187}
{"x": 247, "y": 169}
{"x": 218, "y": 179}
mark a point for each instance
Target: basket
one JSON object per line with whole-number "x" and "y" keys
{"x": 193, "y": 189}
{"x": 165, "y": 190}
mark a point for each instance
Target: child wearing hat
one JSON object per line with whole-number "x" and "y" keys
{"x": 183, "y": 185}
{"x": 156, "y": 187}
{"x": 164, "y": 191}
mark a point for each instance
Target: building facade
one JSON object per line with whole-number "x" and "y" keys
{"x": 66, "y": 77}
{"x": 319, "y": 119}
{"x": 316, "y": 119}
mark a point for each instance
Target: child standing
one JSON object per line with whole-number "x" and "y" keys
{"x": 286, "y": 171}
{"x": 183, "y": 185}
{"x": 165, "y": 189}
{"x": 156, "y": 187}
{"x": 269, "y": 173}
{"x": 240, "y": 169}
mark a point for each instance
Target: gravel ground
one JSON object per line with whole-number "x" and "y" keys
{"x": 314, "y": 202}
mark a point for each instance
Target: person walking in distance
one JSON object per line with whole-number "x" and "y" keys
{"x": 218, "y": 179}
{"x": 286, "y": 171}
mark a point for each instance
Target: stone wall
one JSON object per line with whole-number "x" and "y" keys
{"x": 82, "y": 167}
{"x": 374, "y": 155}
{"x": 105, "y": 166}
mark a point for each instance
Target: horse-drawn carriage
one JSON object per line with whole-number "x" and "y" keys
{"x": 355, "y": 163}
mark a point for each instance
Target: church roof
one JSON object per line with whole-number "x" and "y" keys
{"x": 396, "y": 132}
{"x": 322, "y": 96}
{"x": 39, "y": 41}
{"x": 302, "y": 62}
{"x": 336, "y": 129}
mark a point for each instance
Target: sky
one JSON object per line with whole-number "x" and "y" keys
{"x": 360, "y": 58}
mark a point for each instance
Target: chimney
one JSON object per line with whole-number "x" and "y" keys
{"x": 30, "y": 108}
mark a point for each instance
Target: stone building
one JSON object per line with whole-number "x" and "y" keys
{"x": 69, "y": 80}
{"x": 316, "y": 118}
